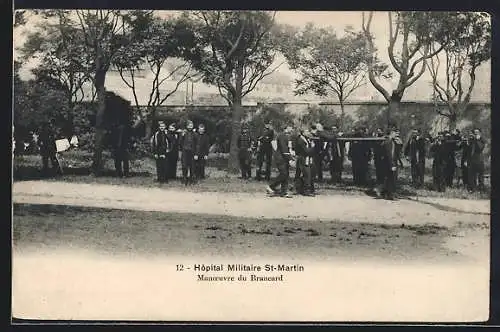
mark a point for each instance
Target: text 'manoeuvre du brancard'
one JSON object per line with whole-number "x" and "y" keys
{"x": 241, "y": 272}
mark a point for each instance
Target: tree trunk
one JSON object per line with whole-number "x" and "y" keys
{"x": 237, "y": 111}
{"x": 100, "y": 78}
{"x": 342, "y": 116}
{"x": 393, "y": 108}
{"x": 151, "y": 116}
{"x": 452, "y": 121}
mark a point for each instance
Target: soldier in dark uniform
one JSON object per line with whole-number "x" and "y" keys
{"x": 282, "y": 156}
{"x": 201, "y": 152}
{"x": 464, "y": 146}
{"x": 438, "y": 152}
{"x": 265, "y": 153}
{"x": 188, "y": 146}
{"x": 304, "y": 150}
{"x": 451, "y": 146}
{"x": 391, "y": 149}
{"x": 335, "y": 156}
{"x": 160, "y": 148}
{"x": 173, "y": 153}
{"x": 121, "y": 145}
{"x": 48, "y": 149}
{"x": 359, "y": 155}
{"x": 317, "y": 167}
{"x": 245, "y": 153}
{"x": 378, "y": 157}
{"x": 415, "y": 151}
{"x": 476, "y": 164}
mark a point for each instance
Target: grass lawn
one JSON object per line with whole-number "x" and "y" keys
{"x": 118, "y": 232}
{"x": 76, "y": 168}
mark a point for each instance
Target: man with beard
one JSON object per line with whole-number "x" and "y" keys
{"x": 245, "y": 153}
{"x": 304, "y": 150}
{"x": 265, "y": 153}
{"x": 415, "y": 152}
{"x": 187, "y": 147}
{"x": 201, "y": 152}
{"x": 160, "y": 148}
{"x": 391, "y": 149}
{"x": 173, "y": 153}
{"x": 282, "y": 156}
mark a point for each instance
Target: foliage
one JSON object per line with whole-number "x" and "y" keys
{"x": 236, "y": 49}
{"x": 274, "y": 115}
{"x": 468, "y": 48}
{"x": 61, "y": 51}
{"x": 162, "y": 46}
{"x": 326, "y": 117}
{"x": 411, "y": 35}
{"x": 326, "y": 62}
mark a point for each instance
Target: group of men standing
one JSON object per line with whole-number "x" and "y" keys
{"x": 470, "y": 148}
{"x": 166, "y": 143}
{"x": 303, "y": 148}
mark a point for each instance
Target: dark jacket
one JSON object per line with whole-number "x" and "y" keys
{"x": 202, "y": 144}
{"x": 392, "y": 151}
{"x": 282, "y": 152}
{"x": 121, "y": 137}
{"x": 47, "y": 142}
{"x": 415, "y": 149}
{"x": 264, "y": 141}
{"x": 244, "y": 142}
{"x": 188, "y": 141}
{"x": 173, "y": 140}
{"x": 476, "y": 151}
{"x": 438, "y": 153}
{"x": 159, "y": 143}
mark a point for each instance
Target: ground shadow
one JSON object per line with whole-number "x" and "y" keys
{"x": 27, "y": 173}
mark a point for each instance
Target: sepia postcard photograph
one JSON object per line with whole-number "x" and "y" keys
{"x": 246, "y": 165}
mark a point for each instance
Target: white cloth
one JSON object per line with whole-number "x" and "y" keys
{"x": 62, "y": 145}
{"x": 74, "y": 141}
{"x": 274, "y": 144}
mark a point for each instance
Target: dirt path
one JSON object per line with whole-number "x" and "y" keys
{"x": 444, "y": 212}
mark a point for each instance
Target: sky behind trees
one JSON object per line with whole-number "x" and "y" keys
{"x": 339, "y": 21}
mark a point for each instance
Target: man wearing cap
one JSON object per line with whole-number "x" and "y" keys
{"x": 244, "y": 144}
{"x": 415, "y": 152}
{"x": 304, "y": 150}
{"x": 318, "y": 156}
{"x": 391, "y": 150}
{"x": 201, "y": 152}
{"x": 282, "y": 156}
{"x": 187, "y": 147}
{"x": 265, "y": 153}
{"x": 173, "y": 153}
{"x": 450, "y": 148}
{"x": 160, "y": 148}
{"x": 438, "y": 152}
